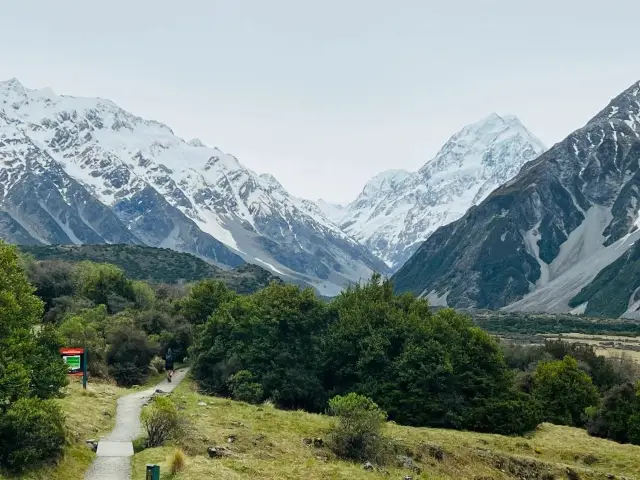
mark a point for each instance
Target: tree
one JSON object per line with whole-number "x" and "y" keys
{"x": 129, "y": 354}
{"x": 275, "y": 334}
{"x": 204, "y": 299}
{"x": 31, "y": 370}
{"x": 564, "y": 391}
{"x": 104, "y": 284}
{"x": 86, "y": 329}
{"x": 422, "y": 368}
{"x": 617, "y": 418}
{"x": 22, "y": 350}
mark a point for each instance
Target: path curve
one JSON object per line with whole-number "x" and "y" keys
{"x": 113, "y": 461}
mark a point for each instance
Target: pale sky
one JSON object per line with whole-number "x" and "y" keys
{"x": 325, "y": 95}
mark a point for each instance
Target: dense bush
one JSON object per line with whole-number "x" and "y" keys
{"x": 564, "y": 391}
{"x": 161, "y": 422}
{"x": 357, "y": 432}
{"x": 31, "y": 432}
{"x": 203, "y": 299}
{"x": 275, "y": 334}
{"x": 515, "y": 413}
{"x": 30, "y": 365}
{"x": 129, "y": 354}
{"x": 104, "y": 284}
{"x": 86, "y": 329}
{"x": 618, "y": 417}
{"x": 422, "y": 368}
{"x": 244, "y": 388}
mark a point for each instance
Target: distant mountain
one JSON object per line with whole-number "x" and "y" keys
{"x": 397, "y": 210}
{"x": 84, "y": 171}
{"x": 535, "y": 242}
{"x": 156, "y": 265}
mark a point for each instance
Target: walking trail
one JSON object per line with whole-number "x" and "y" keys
{"x": 113, "y": 460}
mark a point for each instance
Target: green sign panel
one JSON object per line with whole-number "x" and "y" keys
{"x": 72, "y": 361}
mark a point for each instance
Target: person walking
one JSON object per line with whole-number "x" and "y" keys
{"x": 168, "y": 364}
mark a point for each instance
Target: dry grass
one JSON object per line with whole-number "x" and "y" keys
{"x": 268, "y": 445}
{"x": 623, "y": 346}
{"x": 177, "y": 461}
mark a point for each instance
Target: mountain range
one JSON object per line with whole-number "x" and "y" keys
{"x": 560, "y": 236}
{"x": 397, "y": 210}
{"x": 493, "y": 221}
{"x": 84, "y": 171}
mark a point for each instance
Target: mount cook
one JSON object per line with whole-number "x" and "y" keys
{"x": 398, "y": 210}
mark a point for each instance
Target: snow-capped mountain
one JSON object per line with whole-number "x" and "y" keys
{"x": 397, "y": 210}
{"x": 543, "y": 241}
{"x": 333, "y": 211}
{"x": 104, "y": 175}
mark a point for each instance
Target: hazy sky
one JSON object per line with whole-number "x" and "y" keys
{"x": 324, "y": 95}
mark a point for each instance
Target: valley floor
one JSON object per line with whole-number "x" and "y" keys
{"x": 269, "y": 445}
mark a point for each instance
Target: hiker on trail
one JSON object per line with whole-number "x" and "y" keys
{"x": 168, "y": 364}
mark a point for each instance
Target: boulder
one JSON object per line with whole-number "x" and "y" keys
{"x": 217, "y": 452}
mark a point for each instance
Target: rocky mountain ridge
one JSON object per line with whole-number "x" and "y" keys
{"x": 536, "y": 241}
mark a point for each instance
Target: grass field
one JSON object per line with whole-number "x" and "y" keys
{"x": 269, "y": 445}
{"x": 606, "y": 345}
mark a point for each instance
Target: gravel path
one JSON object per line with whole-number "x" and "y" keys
{"x": 114, "y": 451}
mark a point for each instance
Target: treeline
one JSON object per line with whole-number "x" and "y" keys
{"x": 531, "y": 324}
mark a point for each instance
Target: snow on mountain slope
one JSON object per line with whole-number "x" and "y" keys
{"x": 332, "y": 211}
{"x": 183, "y": 195}
{"x": 397, "y": 210}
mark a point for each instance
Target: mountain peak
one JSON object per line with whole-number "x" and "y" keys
{"x": 272, "y": 182}
{"x": 625, "y": 107}
{"x": 11, "y": 84}
{"x": 196, "y": 142}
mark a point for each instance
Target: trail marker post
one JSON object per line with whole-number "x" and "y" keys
{"x": 153, "y": 472}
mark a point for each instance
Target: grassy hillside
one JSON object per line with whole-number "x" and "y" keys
{"x": 157, "y": 265}
{"x": 269, "y": 445}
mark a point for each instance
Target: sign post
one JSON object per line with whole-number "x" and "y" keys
{"x": 76, "y": 361}
{"x": 153, "y": 472}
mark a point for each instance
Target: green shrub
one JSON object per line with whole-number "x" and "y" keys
{"x": 158, "y": 364}
{"x": 244, "y": 388}
{"x": 161, "y": 422}
{"x": 129, "y": 355}
{"x": 31, "y": 432}
{"x": 357, "y": 433}
{"x": 564, "y": 391}
{"x": 619, "y": 417}
{"x": 517, "y": 413}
